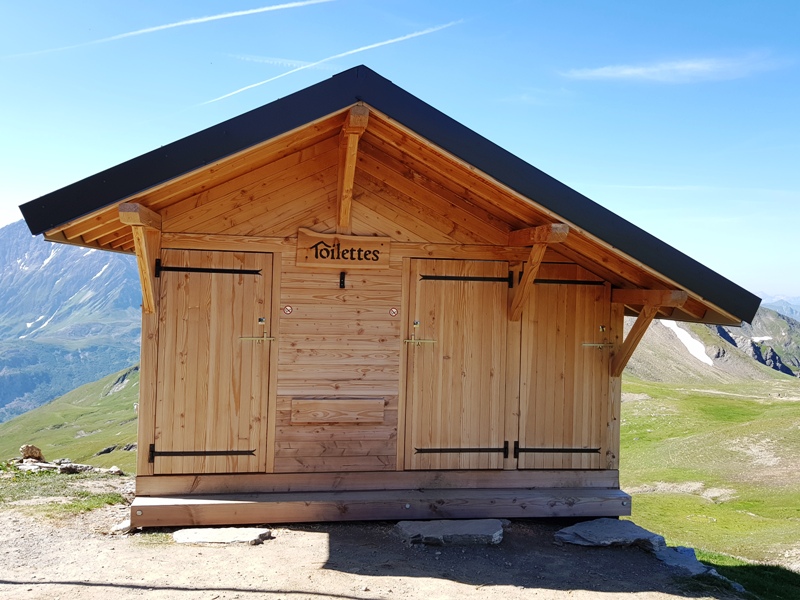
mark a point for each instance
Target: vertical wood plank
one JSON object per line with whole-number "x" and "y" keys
{"x": 615, "y": 390}
{"x": 407, "y": 307}
{"x": 513, "y": 386}
{"x": 148, "y": 378}
{"x": 274, "y": 309}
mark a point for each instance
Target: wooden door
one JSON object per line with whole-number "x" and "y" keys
{"x": 212, "y": 385}
{"x": 456, "y": 364}
{"x": 564, "y": 377}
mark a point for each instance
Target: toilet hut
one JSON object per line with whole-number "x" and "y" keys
{"x": 354, "y": 307}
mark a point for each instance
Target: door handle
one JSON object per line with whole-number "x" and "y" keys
{"x": 417, "y": 342}
{"x": 258, "y": 340}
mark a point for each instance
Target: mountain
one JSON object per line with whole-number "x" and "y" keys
{"x": 68, "y": 316}
{"x": 81, "y": 423}
{"x": 787, "y": 307}
{"x": 769, "y": 348}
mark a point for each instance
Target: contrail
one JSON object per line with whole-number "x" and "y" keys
{"x": 229, "y": 15}
{"x": 334, "y": 57}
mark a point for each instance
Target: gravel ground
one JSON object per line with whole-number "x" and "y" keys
{"x": 78, "y": 558}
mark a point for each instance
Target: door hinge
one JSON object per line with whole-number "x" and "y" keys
{"x": 518, "y": 450}
{"x": 153, "y": 453}
{"x": 504, "y": 450}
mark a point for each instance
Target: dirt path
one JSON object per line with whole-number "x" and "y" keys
{"x": 78, "y": 559}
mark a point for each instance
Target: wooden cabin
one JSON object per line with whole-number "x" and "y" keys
{"x": 354, "y": 307}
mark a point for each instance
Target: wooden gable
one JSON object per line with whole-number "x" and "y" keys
{"x": 392, "y": 167}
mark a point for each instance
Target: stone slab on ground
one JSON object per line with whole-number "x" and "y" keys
{"x": 222, "y": 535}
{"x": 611, "y": 532}
{"x": 614, "y": 532}
{"x": 467, "y": 532}
{"x": 682, "y": 558}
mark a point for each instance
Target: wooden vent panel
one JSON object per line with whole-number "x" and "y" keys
{"x": 337, "y": 410}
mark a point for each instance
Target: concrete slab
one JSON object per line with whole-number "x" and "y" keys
{"x": 467, "y": 532}
{"x": 222, "y": 535}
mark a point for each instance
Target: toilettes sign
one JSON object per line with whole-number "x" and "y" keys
{"x": 341, "y": 251}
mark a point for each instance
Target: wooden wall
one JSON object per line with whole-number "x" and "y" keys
{"x": 339, "y": 372}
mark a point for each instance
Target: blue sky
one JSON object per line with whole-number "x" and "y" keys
{"x": 682, "y": 116}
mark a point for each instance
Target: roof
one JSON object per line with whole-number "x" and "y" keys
{"x": 522, "y": 186}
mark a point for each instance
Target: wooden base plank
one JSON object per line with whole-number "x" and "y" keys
{"x": 243, "y": 483}
{"x": 240, "y": 509}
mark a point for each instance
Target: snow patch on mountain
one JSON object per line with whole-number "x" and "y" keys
{"x": 695, "y": 347}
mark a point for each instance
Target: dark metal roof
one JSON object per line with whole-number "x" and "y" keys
{"x": 363, "y": 84}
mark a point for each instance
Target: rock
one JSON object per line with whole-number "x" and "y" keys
{"x": 682, "y": 558}
{"x": 468, "y": 532}
{"x": 107, "y": 450}
{"x": 70, "y": 468}
{"x": 122, "y": 528}
{"x": 130, "y": 447}
{"x": 222, "y": 535}
{"x": 613, "y": 532}
{"x": 115, "y": 470}
{"x": 610, "y": 532}
{"x": 35, "y": 466}
{"x": 31, "y": 451}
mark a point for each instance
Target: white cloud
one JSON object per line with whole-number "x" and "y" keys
{"x": 195, "y": 21}
{"x": 679, "y": 71}
{"x": 270, "y": 60}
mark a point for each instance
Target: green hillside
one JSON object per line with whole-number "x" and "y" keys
{"x": 80, "y": 423}
{"x": 715, "y": 468}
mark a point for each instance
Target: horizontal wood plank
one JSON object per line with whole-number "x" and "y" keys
{"x": 177, "y": 485}
{"x": 360, "y": 506}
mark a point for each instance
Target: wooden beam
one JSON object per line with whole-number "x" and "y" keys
{"x": 131, "y": 213}
{"x": 353, "y": 128}
{"x": 146, "y": 229}
{"x": 539, "y": 237}
{"x": 250, "y": 483}
{"x": 544, "y": 234}
{"x": 147, "y": 243}
{"x": 633, "y": 338}
{"x": 239, "y": 509}
{"x": 639, "y": 297}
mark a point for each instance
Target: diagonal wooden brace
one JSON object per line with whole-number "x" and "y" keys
{"x": 146, "y": 228}
{"x": 539, "y": 237}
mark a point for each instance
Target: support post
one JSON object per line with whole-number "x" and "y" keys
{"x": 352, "y": 130}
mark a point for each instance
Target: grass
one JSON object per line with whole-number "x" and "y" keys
{"x": 83, "y": 502}
{"x": 714, "y": 469}
{"x": 79, "y": 424}
{"x": 68, "y": 495}
{"x": 763, "y": 582}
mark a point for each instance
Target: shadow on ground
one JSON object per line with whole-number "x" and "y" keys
{"x": 527, "y": 558}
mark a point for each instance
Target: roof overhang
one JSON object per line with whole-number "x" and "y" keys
{"x": 614, "y": 246}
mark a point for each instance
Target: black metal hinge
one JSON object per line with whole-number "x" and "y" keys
{"x": 504, "y": 450}
{"x": 507, "y": 280}
{"x": 153, "y": 453}
{"x": 162, "y": 268}
{"x": 518, "y": 450}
